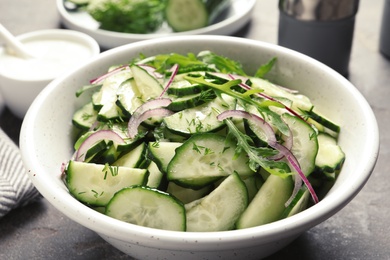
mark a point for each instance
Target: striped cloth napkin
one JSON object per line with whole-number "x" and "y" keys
{"x": 16, "y": 189}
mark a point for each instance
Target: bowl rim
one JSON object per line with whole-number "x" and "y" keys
{"x": 188, "y": 240}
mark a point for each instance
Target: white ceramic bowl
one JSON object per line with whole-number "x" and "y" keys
{"x": 19, "y": 88}
{"x": 46, "y": 142}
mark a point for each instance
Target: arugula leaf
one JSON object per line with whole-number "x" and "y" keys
{"x": 265, "y": 68}
{"x": 163, "y": 62}
{"x": 223, "y": 64}
{"x": 227, "y": 89}
{"x": 257, "y": 156}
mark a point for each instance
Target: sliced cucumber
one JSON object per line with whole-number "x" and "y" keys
{"x": 162, "y": 153}
{"x": 305, "y": 143}
{"x": 205, "y": 158}
{"x": 268, "y": 204}
{"x": 105, "y": 100}
{"x": 107, "y": 156}
{"x": 94, "y": 150}
{"x": 185, "y": 15}
{"x": 148, "y": 207}
{"x": 128, "y": 97}
{"x": 95, "y": 184}
{"x": 330, "y": 157}
{"x": 253, "y": 184}
{"x": 121, "y": 130}
{"x": 109, "y": 112}
{"x": 155, "y": 176}
{"x": 298, "y": 204}
{"x": 200, "y": 119}
{"x": 147, "y": 85}
{"x": 133, "y": 159}
{"x": 190, "y": 101}
{"x": 324, "y": 121}
{"x": 187, "y": 195}
{"x": 85, "y": 117}
{"x": 183, "y": 87}
{"x": 219, "y": 210}
{"x": 170, "y": 136}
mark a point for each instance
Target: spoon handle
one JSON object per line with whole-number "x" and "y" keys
{"x": 13, "y": 45}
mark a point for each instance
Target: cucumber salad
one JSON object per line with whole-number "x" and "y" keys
{"x": 193, "y": 143}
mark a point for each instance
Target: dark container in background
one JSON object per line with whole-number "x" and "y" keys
{"x": 384, "y": 43}
{"x": 322, "y": 29}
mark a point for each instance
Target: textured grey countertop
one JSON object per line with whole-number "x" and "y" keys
{"x": 359, "y": 231}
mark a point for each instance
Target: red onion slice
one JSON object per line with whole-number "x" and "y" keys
{"x": 260, "y": 122}
{"x": 135, "y": 119}
{"x": 93, "y": 139}
{"x": 151, "y": 104}
{"x": 174, "y": 70}
{"x": 108, "y": 74}
{"x": 156, "y": 112}
{"x": 151, "y": 70}
{"x": 295, "y": 164}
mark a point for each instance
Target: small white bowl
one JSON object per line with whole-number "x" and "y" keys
{"x": 57, "y": 51}
{"x": 46, "y": 142}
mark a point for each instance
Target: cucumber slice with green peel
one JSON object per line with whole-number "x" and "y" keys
{"x": 107, "y": 95}
{"x": 133, "y": 159}
{"x": 85, "y": 117}
{"x": 128, "y": 97}
{"x": 324, "y": 121}
{"x": 200, "y": 119}
{"x": 96, "y": 150}
{"x": 185, "y": 15}
{"x": 95, "y": 184}
{"x": 148, "y": 86}
{"x": 162, "y": 153}
{"x": 190, "y": 101}
{"x": 187, "y": 195}
{"x": 330, "y": 156}
{"x": 148, "y": 207}
{"x": 298, "y": 204}
{"x": 170, "y": 136}
{"x": 108, "y": 156}
{"x": 219, "y": 210}
{"x": 130, "y": 143}
{"x": 155, "y": 176}
{"x": 253, "y": 184}
{"x": 268, "y": 204}
{"x": 205, "y": 158}
{"x": 105, "y": 100}
{"x": 109, "y": 111}
{"x": 183, "y": 88}
{"x": 305, "y": 143}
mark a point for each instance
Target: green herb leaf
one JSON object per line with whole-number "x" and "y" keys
{"x": 257, "y": 156}
{"x": 265, "y": 68}
{"x": 223, "y": 64}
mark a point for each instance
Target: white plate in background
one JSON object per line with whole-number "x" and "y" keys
{"x": 235, "y": 17}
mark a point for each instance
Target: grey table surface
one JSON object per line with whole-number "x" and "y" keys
{"x": 359, "y": 231}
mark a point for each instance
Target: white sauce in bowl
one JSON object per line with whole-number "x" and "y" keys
{"x": 53, "y": 57}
